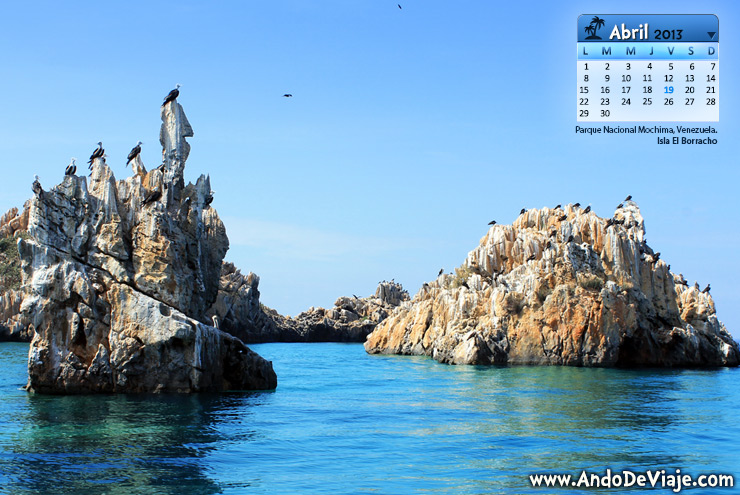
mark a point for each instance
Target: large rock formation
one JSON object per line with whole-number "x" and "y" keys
{"x": 120, "y": 276}
{"x": 562, "y": 287}
{"x": 240, "y": 313}
{"x": 13, "y": 325}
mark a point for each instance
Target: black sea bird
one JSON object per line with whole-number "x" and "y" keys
{"x": 465, "y": 284}
{"x": 562, "y": 217}
{"x": 152, "y": 196}
{"x": 209, "y": 198}
{"x": 355, "y": 296}
{"x": 71, "y": 168}
{"x": 98, "y": 153}
{"x": 588, "y": 208}
{"x": 620, "y": 205}
{"x": 548, "y": 245}
{"x": 558, "y": 207}
{"x": 609, "y": 222}
{"x": 628, "y": 198}
{"x": 577, "y": 205}
{"x": 531, "y": 258}
{"x": 172, "y": 95}
{"x": 656, "y": 257}
{"x": 570, "y": 239}
{"x": 287, "y": 95}
{"x": 399, "y": 5}
{"x": 707, "y": 289}
{"x": 524, "y": 210}
{"x": 441, "y": 271}
{"x": 36, "y": 187}
{"x": 492, "y": 222}
{"x": 134, "y": 152}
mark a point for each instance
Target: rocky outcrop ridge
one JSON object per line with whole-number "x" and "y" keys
{"x": 566, "y": 287}
{"x": 13, "y": 326}
{"x": 350, "y": 320}
{"x": 120, "y": 276}
{"x": 240, "y": 313}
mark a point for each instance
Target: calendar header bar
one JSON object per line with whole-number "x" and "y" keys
{"x": 631, "y": 28}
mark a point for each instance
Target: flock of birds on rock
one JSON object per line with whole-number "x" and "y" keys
{"x": 99, "y": 153}
{"x": 611, "y": 221}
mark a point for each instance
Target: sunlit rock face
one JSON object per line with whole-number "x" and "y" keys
{"x": 120, "y": 276}
{"x": 13, "y": 326}
{"x": 561, "y": 287}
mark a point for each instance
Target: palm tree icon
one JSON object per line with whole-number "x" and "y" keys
{"x": 596, "y": 24}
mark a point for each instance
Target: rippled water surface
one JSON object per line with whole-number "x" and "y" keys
{"x": 342, "y": 421}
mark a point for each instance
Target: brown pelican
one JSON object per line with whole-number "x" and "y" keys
{"x": 172, "y": 95}
{"x": 71, "y": 168}
{"x": 152, "y": 196}
{"x": 36, "y": 187}
{"x": 98, "y": 153}
{"x": 134, "y": 152}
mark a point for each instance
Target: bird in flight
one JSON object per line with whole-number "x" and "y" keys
{"x": 287, "y": 95}
{"x": 399, "y": 6}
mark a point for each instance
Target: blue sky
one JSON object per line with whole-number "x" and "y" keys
{"x": 408, "y": 131}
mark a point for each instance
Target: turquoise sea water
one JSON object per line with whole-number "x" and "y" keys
{"x": 342, "y": 421}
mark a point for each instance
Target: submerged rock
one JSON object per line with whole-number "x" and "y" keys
{"x": 561, "y": 287}
{"x": 120, "y": 276}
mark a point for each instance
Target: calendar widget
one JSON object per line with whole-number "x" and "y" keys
{"x": 648, "y": 68}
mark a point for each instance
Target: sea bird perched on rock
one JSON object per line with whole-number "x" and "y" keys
{"x": 562, "y": 217}
{"x": 209, "y": 197}
{"x": 531, "y": 258}
{"x": 620, "y": 205}
{"x": 524, "y": 210}
{"x": 570, "y": 239}
{"x": 609, "y": 222}
{"x": 577, "y": 205}
{"x": 656, "y": 257}
{"x": 152, "y": 196}
{"x": 465, "y": 284}
{"x": 134, "y": 152}
{"x": 71, "y": 168}
{"x": 628, "y": 198}
{"x": 172, "y": 95}
{"x": 588, "y": 208}
{"x": 492, "y": 222}
{"x": 98, "y": 153}
{"x": 441, "y": 271}
{"x": 707, "y": 289}
{"x": 36, "y": 187}
{"x": 557, "y": 207}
